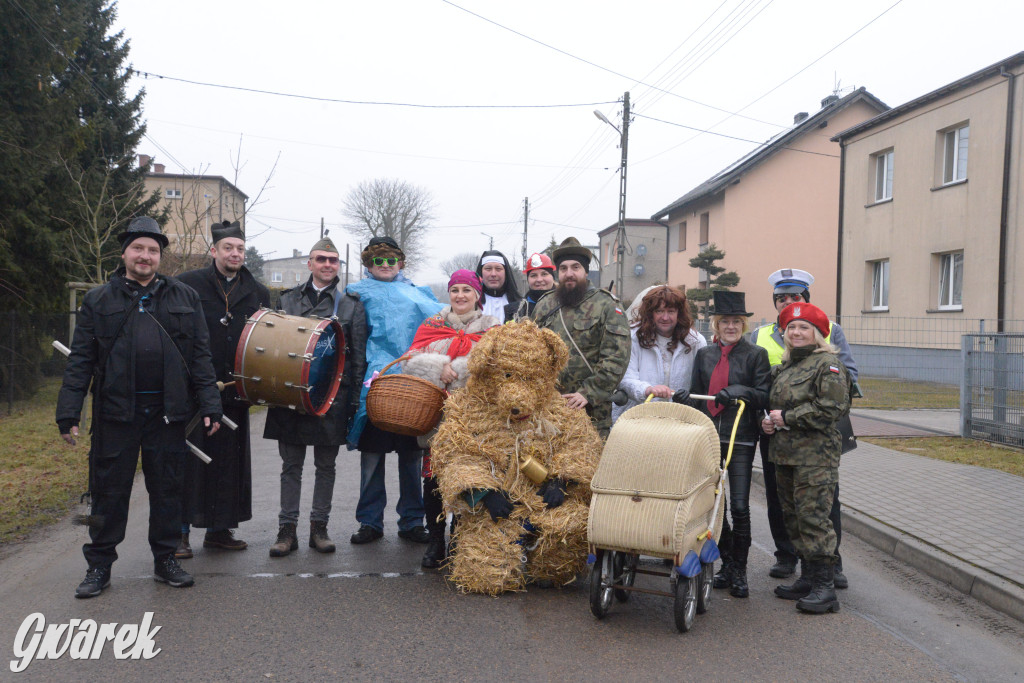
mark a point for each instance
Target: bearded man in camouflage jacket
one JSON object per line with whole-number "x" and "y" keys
{"x": 591, "y": 323}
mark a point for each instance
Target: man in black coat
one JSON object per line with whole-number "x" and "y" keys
{"x": 319, "y": 297}
{"x": 141, "y": 342}
{"x": 218, "y": 496}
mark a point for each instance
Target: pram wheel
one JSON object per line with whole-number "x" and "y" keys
{"x": 686, "y": 602}
{"x": 706, "y": 579}
{"x": 625, "y": 573}
{"x": 601, "y": 575}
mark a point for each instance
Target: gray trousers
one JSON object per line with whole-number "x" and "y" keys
{"x": 292, "y": 458}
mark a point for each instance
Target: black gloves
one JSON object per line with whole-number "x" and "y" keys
{"x": 682, "y": 396}
{"x": 552, "y": 492}
{"x": 725, "y": 397}
{"x": 498, "y": 504}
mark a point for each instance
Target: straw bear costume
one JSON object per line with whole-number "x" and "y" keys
{"x": 510, "y": 414}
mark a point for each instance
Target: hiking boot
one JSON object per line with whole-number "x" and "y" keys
{"x": 417, "y": 534}
{"x": 435, "y": 554}
{"x": 286, "y": 542}
{"x": 739, "y": 588}
{"x": 224, "y": 540}
{"x": 96, "y": 579}
{"x": 318, "y": 538}
{"x": 723, "y": 579}
{"x": 799, "y": 588}
{"x": 783, "y": 568}
{"x": 184, "y": 550}
{"x": 366, "y": 534}
{"x": 167, "y": 570}
{"x": 822, "y": 597}
{"x": 839, "y": 578}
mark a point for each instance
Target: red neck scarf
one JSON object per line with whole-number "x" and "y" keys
{"x": 719, "y": 378}
{"x": 462, "y": 343}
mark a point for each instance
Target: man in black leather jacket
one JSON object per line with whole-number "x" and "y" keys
{"x": 141, "y": 341}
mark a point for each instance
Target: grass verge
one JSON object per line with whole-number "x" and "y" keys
{"x": 959, "y": 450}
{"x": 41, "y": 477}
{"x": 897, "y": 393}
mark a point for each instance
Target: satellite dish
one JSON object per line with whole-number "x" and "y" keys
{"x": 638, "y": 269}
{"x": 641, "y": 250}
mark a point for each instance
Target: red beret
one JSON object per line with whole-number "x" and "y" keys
{"x": 806, "y": 312}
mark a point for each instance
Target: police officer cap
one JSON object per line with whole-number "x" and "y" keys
{"x": 142, "y": 226}
{"x": 226, "y": 229}
{"x": 790, "y": 281}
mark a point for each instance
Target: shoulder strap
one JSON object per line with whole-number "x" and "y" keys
{"x": 573, "y": 341}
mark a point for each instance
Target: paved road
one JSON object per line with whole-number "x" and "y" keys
{"x": 370, "y": 613}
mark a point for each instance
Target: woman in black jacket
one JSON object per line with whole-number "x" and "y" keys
{"x": 732, "y": 368}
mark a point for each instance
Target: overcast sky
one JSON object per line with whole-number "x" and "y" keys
{"x": 739, "y": 68}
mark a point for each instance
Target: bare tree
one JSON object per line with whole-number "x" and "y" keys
{"x": 387, "y": 207}
{"x": 199, "y": 206}
{"x": 467, "y": 260}
{"x": 99, "y": 211}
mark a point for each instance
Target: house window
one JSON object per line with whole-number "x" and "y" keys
{"x": 172, "y": 194}
{"x": 705, "y": 225}
{"x": 682, "y": 236}
{"x": 298, "y": 277}
{"x": 954, "y": 167}
{"x": 276, "y": 277}
{"x": 880, "y": 285}
{"x": 951, "y": 280}
{"x": 883, "y": 175}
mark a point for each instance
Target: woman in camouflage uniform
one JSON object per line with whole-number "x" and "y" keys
{"x": 810, "y": 392}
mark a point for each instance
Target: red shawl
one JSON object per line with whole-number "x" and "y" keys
{"x": 434, "y": 330}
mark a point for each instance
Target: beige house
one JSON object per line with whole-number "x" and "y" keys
{"x": 777, "y": 207}
{"x": 932, "y": 207}
{"x": 193, "y": 203}
{"x": 645, "y": 262}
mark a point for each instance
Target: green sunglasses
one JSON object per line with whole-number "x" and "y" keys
{"x": 381, "y": 260}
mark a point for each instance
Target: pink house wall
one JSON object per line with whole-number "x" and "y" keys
{"x": 782, "y": 213}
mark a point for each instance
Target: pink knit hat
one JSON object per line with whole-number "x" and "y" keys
{"x": 466, "y": 277}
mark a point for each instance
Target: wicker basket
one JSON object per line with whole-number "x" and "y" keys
{"x": 404, "y": 404}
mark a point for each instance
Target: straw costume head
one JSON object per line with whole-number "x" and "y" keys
{"x": 509, "y": 431}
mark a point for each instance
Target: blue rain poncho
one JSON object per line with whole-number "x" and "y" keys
{"x": 394, "y": 311}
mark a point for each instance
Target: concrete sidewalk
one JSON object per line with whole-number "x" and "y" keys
{"x": 958, "y": 523}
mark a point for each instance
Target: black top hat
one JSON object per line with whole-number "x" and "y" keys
{"x": 730, "y": 303}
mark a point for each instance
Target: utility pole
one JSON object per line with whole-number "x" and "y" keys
{"x": 321, "y": 227}
{"x": 346, "y": 264}
{"x": 621, "y": 233}
{"x": 526, "y": 218}
{"x": 490, "y": 248}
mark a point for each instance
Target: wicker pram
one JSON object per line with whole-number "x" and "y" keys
{"x": 657, "y": 492}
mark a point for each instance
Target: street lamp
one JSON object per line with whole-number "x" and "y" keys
{"x": 491, "y": 238}
{"x": 621, "y": 232}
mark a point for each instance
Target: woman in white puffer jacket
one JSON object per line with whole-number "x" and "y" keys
{"x": 664, "y": 346}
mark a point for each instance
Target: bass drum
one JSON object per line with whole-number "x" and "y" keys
{"x": 290, "y": 361}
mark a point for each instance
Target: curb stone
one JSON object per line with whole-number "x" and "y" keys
{"x": 991, "y": 589}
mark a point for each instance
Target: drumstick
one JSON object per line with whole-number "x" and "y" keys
{"x": 221, "y": 386}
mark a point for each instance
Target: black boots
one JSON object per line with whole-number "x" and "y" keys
{"x": 799, "y": 588}
{"x": 784, "y": 567}
{"x": 436, "y": 550}
{"x": 822, "y": 596}
{"x": 723, "y": 579}
{"x": 96, "y": 579}
{"x": 740, "y": 550}
{"x": 286, "y": 540}
{"x": 318, "y": 538}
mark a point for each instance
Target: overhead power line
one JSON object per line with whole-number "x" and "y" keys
{"x": 733, "y": 137}
{"x": 336, "y": 100}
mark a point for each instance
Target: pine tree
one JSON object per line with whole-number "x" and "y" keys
{"x": 717, "y": 279}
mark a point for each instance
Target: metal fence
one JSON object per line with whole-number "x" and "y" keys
{"x": 26, "y": 355}
{"x": 992, "y": 388}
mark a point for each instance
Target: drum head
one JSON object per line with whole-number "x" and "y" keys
{"x": 325, "y": 367}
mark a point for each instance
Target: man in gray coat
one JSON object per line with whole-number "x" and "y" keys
{"x": 319, "y": 297}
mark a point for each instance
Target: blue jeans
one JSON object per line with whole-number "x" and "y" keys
{"x": 373, "y": 497}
